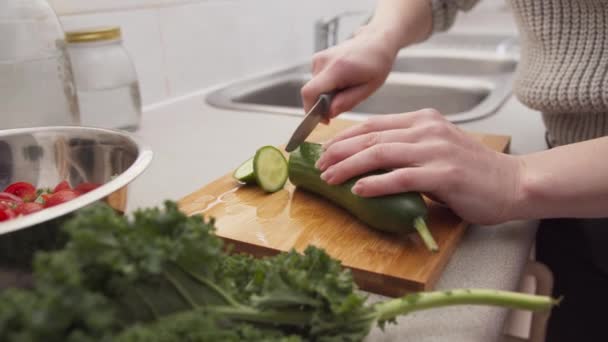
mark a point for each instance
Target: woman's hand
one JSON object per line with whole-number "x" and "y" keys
{"x": 426, "y": 153}
{"x": 356, "y": 67}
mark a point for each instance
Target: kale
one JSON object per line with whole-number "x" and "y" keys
{"x": 55, "y": 314}
{"x": 162, "y": 276}
{"x": 199, "y": 326}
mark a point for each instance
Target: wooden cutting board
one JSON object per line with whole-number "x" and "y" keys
{"x": 265, "y": 224}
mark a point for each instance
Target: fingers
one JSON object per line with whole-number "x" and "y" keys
{"x": 401, "y": 180}
{"x": 339, "y": 73}
{"x": 346, "y": 148}
{"x": 309, "y": 92}
{"x": 328, "y": 74}
{"x": 347, "y": 99}
{"x": 319, "y": 61}
{"x": 325, "y": 81}
{"x": 387, "y": 122}
{"x": 378, "y": 157}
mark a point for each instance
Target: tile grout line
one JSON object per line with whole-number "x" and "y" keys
{"x": 142, "y": 6}
{"x": 165, "y": 63}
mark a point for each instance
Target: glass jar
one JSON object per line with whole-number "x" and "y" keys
{"x": 105, "y": 78}
{"x": 36, "y": 85}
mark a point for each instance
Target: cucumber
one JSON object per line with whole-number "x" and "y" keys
{"x": 270, "y": 168}
{"x": 399, "y": 213}
{"x": 244, "y": 173}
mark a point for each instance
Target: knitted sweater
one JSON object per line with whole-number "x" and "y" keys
{"x": 563, "y": 71}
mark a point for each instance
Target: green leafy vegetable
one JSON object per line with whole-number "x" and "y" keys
{"x": 163, "y": 276}
{"x": 198, "y": 325}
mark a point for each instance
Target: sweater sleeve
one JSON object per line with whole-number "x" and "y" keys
{"x": 445, "y": 11}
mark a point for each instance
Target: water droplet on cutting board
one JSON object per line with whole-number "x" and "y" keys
{"x": 228, "y": 196}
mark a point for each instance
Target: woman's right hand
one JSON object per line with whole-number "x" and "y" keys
{"x": 359, "y": 66}
{"x": 356, "y": 68}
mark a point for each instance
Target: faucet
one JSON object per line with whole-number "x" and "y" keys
{"x": 327, "y": 28}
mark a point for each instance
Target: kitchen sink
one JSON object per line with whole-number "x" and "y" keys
{"x": 464, "y": 85}
{"x": 442, "y": 65}
{"x": 399, "y": 94}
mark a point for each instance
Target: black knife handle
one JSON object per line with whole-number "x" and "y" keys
{"x": 326, "y": 99}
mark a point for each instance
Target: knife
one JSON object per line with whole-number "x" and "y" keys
{"x": 311, "y": 120}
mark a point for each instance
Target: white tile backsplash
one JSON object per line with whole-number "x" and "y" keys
{"x": 181, "y": 46}
{"x": 214, "y": 41}
{"x": 71, "y": 7}
{"x": 200, "y": 42}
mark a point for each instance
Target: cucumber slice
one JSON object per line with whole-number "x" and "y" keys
{"x": 270, "y": 168}
{"x": 244, "y": 173}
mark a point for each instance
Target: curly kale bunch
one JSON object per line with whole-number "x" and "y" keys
{"x": 163, "y": 276}
{"x": 118, "y": 274}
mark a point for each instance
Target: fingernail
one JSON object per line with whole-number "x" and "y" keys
{"x": 323, "y": 167}
{"x": 327, "y": 175}
{"x": 319, "y": 164}
{"x": 356, "y": 189}
{"x": 324, "y": 177}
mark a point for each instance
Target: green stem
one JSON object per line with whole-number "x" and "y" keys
{"x": 425, "y": 234}
{"x": 429, "y": 300}
{"x": 286, "y": 317}
{"x": 210, "y": 285}
{"x": 147, "y": 303}
{"x": 180, "y": 290}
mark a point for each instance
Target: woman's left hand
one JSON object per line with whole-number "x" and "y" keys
{"x": 428, "y": 154}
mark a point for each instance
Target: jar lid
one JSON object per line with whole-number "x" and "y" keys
{"x": 93, "y": 35}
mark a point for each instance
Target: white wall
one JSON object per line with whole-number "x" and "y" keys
{"x": 180, "y": 46}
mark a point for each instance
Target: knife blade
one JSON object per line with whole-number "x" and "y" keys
{"x": 311, "y": 120}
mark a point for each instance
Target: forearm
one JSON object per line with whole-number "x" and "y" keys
{"x": 402, "y": 22}
{"x": 567, "y": 181}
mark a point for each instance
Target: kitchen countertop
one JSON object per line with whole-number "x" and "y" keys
{"x": 195, "y": 143}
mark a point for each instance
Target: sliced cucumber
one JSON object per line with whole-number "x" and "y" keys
{"x": 244, "y": 173}
{"x": 270, "y": 168}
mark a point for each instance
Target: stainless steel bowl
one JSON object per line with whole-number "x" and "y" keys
{"x": 45, "y": 156}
